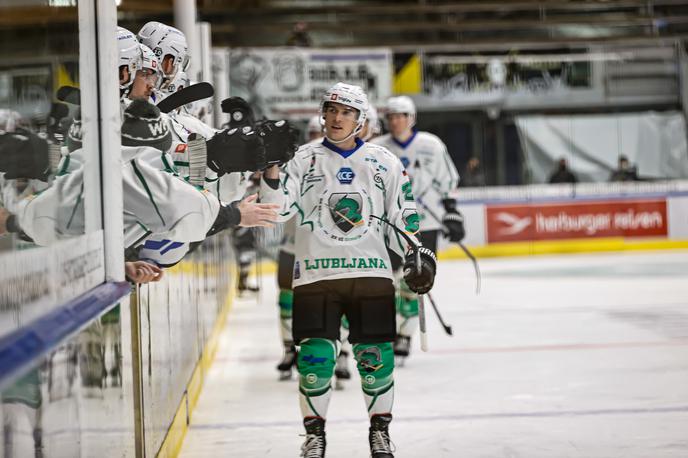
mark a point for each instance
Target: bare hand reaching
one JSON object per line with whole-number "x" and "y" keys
{"x": 255, "y": 214}
{"x": 142, "y": 272}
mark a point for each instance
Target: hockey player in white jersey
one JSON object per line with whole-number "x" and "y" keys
{"x": 433, "y": 175}
{"x": 285, "y": 266}
{"x": 340, "y": 192}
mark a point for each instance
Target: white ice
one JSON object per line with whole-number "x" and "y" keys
{"x": 559, "y": 356}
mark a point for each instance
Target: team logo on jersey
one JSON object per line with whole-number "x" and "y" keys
{"x": 345, "y": 175}
{"x": 411, "y": 221}
{"x": 407, "y": 191}
{"x": 345, "y": 209}
{"x": 370, "y": 360}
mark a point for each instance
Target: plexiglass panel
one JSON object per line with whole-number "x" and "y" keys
{"x": 46, "y": 256}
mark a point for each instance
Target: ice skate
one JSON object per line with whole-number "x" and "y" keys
{"x": 314, "y": 445}
{"x": 402, "y": 345}
{"x": 341, "y": 370}
{"x": 286, "y": 365}
{"x": 381, "y": 445}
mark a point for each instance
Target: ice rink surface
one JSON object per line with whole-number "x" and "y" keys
{"x": 559, "y": 356}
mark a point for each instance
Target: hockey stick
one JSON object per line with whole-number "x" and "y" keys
{"x": 421, "y": 300}
{"x": 189, "y": 94}
{"x": 445, "y": 231}
{"x": 447, "y": 327}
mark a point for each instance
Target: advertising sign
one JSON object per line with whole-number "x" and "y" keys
{"x": 632, "y": 218}
{"x": 289, "y": 82}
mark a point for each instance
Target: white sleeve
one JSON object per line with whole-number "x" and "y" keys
{"x": 401, "y": 211}
{"x": 445, "y": 177}
{"x": 287, "y": 193}
{"x": 165, "y": 204}
{"x": 56, "y": 213}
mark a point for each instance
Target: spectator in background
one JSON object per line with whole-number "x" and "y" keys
{"x": 299, "y": 35}
{"x": 624, "y": 172}
{"x": 472, "y": 174}
{"x": 562, "y": 174}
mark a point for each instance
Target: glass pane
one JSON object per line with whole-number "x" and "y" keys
{"x": 45, "y": 256}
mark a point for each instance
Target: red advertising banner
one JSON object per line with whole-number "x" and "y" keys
{"x": 623, "y": 218}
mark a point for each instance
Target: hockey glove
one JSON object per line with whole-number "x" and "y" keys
{"x": 235, "y": 150}
{"x": 453, "y": 221}
{"x": 239, "y": 111}
{"x": 228, "y": 216}
{"x": 23, "y": 154}
{"x": 281, "y": 140}
{"x": 420, "y": 280}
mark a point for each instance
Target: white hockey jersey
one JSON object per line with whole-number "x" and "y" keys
{"x": 155, "y": 200}
{"x": 431, "y": 170}
{"x": 336, "y": 197}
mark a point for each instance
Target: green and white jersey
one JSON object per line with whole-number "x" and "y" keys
{"x": 431, "y": 170}
{"x": 335, "y": 197}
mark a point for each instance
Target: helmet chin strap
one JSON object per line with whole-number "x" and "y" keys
{"x": 353, "y": 133}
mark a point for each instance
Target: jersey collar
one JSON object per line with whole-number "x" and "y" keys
{"x": 408, "y": 141}
{"x": 343, "y": 152}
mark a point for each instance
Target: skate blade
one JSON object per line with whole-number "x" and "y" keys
{"x": 400, "y": 361}
{"x": 338, "y": 385}
{"x": 284, "y": 375}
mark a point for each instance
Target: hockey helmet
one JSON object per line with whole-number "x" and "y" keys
{"x": 150, "y": 62}
{"x": 349, "y": 95}
{"x": 374, "y": 127}
{"x": 165, "y": 40}
{"x": 129, "y": 54}
{"x": 314, "y": 125}
{"x": 402, "y": 104}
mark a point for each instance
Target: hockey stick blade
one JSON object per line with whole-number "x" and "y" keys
{"x": 475, "y": 266}
{"x": 447, "y": 327}
{"x": 198, "y": 91}
{"x": 69, "y": 94}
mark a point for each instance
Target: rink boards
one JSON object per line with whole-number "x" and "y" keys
{"x": 540, "y": 219}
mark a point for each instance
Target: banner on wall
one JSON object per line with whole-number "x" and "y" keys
{"x": 289, "y": 82}
{"x": 632, "y": 218}
{"x": 485, "y": 79}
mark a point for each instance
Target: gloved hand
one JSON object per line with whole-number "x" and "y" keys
{"x": 236, "y": 150}
{"x": 239, "y": 111}
{"x": 23, "y": 154}
{"x": 420, "y": 281}
{"x": 281, "y": 140}
{"x": 453, "y": 221}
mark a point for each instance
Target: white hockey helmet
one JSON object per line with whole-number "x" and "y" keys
{"x": 129, "y": 54}
{"x": 314, "y": 124}
{"x": 349, "y": 95}
{"x": 165, "y": 40}
{"x": 374, "y": 127}
{"x": 150, "y": 62}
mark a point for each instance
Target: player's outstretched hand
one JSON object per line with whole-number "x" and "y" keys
{"x": 255, "y": 214}
{"x": 420, "y": 280}
{"x": 142, "y": 272}
{"x": 236, "y": 150}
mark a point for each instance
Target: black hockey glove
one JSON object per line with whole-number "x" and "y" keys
{"x": 420, "y": 281}
{"x": 239, "y": 111}
{"x": 281, "y": 140}
{"x": 453, "y": 221}
{"x": 236, "y": 150}
{"x": 23, "y": 154}
{"x": 228, "y": 216}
